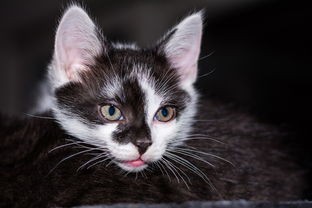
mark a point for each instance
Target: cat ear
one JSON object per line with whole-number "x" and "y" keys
{"x": 181, "y": 46}
{"x": 77, "y": 42}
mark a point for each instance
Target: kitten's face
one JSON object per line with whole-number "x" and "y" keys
{"x": 132, "y": 103}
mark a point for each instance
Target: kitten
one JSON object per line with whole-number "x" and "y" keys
{"x": 133, "y": 103}
{"x": 118, "y": 128}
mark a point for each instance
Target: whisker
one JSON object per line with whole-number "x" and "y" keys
{"x": 195, "y": 170}
{"x": 206, "y": 56}
{"x": 207, "y": 74}
{"x": 188, "y": 178}
{"x": 87, "y": 144}
{"x": 143, "y": 173}
{"x": 176, "y": 168}
{"x": 127, "y": 173}
{"x": 108, "y": 164}
{"x": 205, "y": 153}
{"x": 157, "y": 166}
{"x": 98, "y": 162}
{"x": 160, "y": 165}
{"x": 202, "y": 138}
{"x": 100, "y": 156}
{"x": 206, "y": 120}
{"x": 42, "y": 117}
{"x": 190, "y": 166}
{"x": 68, "y": 157}
{"x": 61, "y": 146}
{"x": 193, "y": 156}
{"x": 169, "y": 167}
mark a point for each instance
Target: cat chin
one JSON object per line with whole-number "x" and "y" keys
{"x": 130, "y": 168}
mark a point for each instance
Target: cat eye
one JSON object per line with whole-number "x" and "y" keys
{"x": 165, "y": 114}
{"x": 111, "y": 113}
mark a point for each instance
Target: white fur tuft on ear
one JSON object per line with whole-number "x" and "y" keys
{"x": 183, "y": 47}
{"x": 76, "y": 44}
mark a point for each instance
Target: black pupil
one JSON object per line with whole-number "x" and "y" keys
{"x": 111, "y": 110}
{"x": 164, "y": 112}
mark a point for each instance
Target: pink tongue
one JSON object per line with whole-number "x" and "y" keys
{"x": 135, "y": 163}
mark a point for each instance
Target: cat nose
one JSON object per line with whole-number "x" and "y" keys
{"x": 143, "y": 144}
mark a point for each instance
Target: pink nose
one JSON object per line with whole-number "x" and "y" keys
{"x": 142, "y": 145}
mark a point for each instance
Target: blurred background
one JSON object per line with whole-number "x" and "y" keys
{"x": 258, "y": 52}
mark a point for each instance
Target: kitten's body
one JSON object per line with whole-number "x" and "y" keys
{"x": 262, "y": 168}
{"x": 109, "y": 138}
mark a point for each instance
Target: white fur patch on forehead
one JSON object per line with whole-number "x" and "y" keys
{"x": 152, "y": 99}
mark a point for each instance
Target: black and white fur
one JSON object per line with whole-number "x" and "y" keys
{"x": 88, "y": 70}
{"x": 64, "y": 158}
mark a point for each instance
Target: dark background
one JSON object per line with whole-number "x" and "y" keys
{"x": 261, "y": 60}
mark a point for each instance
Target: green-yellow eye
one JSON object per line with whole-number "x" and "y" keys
{"x": 165, "y": 114}
{"x": 111, "y": 113}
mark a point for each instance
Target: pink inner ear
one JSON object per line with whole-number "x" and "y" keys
{"x": 185, "y": 60}
{"x": 74, "y": 57}
{"x": 73, "y": 71}
{"x": 183, "y": 48}
{"x": 74, "y": 63}
{"x": 76, "y": 42}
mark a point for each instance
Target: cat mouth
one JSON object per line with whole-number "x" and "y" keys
{"x": 133, "y": 165}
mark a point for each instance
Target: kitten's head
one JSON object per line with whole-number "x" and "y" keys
{"x": 133, "y": 103}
